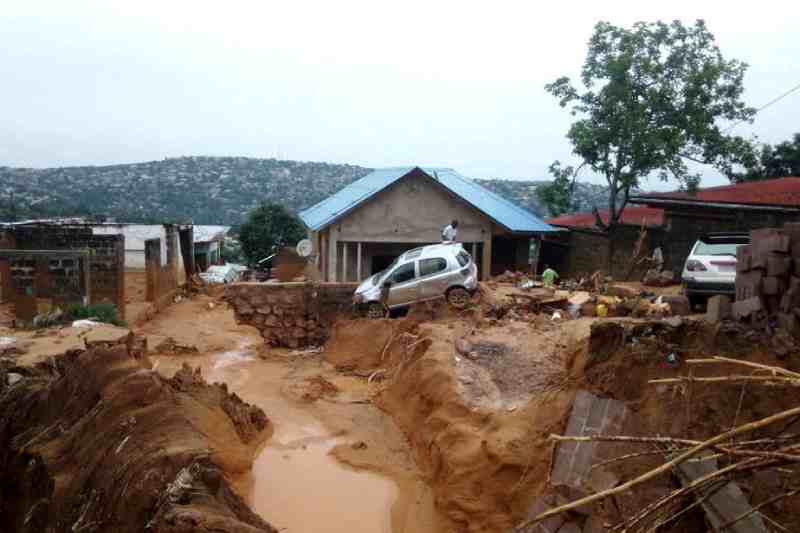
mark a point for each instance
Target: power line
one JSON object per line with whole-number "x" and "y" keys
{"x": 763, "y": 107}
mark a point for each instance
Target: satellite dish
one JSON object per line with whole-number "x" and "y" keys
{"x": 304, "y": 248}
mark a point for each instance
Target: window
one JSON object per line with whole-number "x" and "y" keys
{"x": 463, "y": 258}
{"x": 413, "y": 254}
{"x": 704, "y": 248}
{"x": 403, "y": 273}
{"x": 431, "y": 266}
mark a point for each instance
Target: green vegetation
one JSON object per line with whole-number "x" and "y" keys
{"x": 654, "y": 97}
{"x": 99, "y": 312}
{"x": 209, "y": 190}
{"x": 779, "y": 161}
{"x": 269, "y": 227}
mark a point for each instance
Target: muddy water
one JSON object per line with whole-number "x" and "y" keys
{"x": 295, "y": 484}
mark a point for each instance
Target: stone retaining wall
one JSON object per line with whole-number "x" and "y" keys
{"x": 290, "y": 315}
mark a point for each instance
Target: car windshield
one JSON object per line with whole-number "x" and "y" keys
{"x": 722, "y": 248}
{"x": 375, "y": 279}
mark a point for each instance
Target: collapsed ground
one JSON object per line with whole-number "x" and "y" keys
{"x": 455, "y": 408}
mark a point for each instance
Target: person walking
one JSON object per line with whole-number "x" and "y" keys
{"x": 450, "y": 232}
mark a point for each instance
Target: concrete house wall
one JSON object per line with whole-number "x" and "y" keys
{"x": 411, "y": 212}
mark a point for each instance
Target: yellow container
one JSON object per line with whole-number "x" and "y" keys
{"x": 602, "y": 311}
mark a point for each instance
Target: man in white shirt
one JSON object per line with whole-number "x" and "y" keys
{"x": 450, "y": 232}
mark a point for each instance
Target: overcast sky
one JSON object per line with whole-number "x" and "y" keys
{"x": 373, "y": 83}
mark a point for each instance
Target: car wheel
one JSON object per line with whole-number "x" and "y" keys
{"x": 376, "y": 310}
{"x": 458, "y": 297}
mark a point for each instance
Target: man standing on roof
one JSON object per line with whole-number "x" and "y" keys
{"x": 450, "y": 232}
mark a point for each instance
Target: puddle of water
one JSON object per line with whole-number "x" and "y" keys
{"x": 295, "y": 484}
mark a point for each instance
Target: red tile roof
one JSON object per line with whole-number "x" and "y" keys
{"x": 631, "y": 215}
{"x": 780, "y": 191}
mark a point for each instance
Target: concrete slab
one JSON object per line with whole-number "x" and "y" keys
{"x": 591, "y": 415}
{"x": 725, "y": 504}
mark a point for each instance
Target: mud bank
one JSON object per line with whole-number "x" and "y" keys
{"x": 479, "y": 425}
{"x": 94, "y": 440}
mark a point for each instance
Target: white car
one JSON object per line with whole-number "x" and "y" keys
{"x": 711, "y": 266}
{"x": 437, "y": 271}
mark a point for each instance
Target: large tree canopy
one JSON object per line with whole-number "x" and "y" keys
{"x": 654, "y": 98}
{"x": 268, "y": 227}
{"x": 779, "y": 161}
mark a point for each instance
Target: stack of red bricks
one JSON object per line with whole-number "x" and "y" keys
{"x": 768, "y": 278}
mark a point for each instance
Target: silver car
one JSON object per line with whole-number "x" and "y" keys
{"x": 435, "y": 271}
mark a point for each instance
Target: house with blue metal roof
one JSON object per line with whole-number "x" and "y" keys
{"x": 362, "y": 228}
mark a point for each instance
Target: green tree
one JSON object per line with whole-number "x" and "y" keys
{"x": 558, "y": 195}
{"x": 268, "y": 227}
{"x": 653, "y": 96}
{"x": 779, "y": 161}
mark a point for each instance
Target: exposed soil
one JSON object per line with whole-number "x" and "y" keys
{"x": 434, "y": 423}
{"x": 332, "y": 451}
{"x": 95, "y": 441}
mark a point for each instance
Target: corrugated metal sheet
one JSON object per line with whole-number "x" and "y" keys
{"x": 505, "y": 213}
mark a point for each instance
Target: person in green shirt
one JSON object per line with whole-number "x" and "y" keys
{"x": 549, "y": 276}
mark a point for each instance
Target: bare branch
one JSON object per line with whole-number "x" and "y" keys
{"x": 666, "y": 467}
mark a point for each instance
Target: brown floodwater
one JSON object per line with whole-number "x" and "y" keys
{"x": 295, "y": 484}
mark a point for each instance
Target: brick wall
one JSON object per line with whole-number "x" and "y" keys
{"x": 65, "y": 281}
{"x": 162, "y": 273}
{"x": 587, "y": 251}
{"x": 290, "y": 314}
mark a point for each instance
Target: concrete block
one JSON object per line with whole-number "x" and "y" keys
{"x": 748, "y": 284}
{"x": 744, "y": 258}
{"x": 772, "y": 303}
{"x": 744, "y": 308}
{"x": 590, "y": 415}
{"x": 725, "y": 504}
{"x": 773, "y": 285}
{"x": 778, "y": 264}
{"x": 769, "y": 240}
{"x": 718, "y": 308}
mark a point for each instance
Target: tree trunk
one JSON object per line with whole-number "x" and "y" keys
{"x": 612, "y": 226}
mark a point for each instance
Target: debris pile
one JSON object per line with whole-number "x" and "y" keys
{"x": 767, "y": 280}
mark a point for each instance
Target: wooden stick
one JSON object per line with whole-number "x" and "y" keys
{"x": 666, "y": 467}
{"x": 699, "y": 501}
{"x": 669, "y": 440}
{"x": 696, "y": 484}
{"x": 759, "y": 380}
{"x": 719, "y": 359}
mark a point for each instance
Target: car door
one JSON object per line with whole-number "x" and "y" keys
{"x": 404, "y": 288}
{"x": 434, "y": 277}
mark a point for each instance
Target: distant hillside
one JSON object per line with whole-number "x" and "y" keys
{"x": 523, "y": 193}
{"x": 207, "y": 190}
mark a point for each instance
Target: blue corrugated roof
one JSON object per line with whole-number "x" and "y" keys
{"x": 505, "y": 213}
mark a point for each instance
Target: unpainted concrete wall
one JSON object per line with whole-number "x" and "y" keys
{"x": 413, "y": 210}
